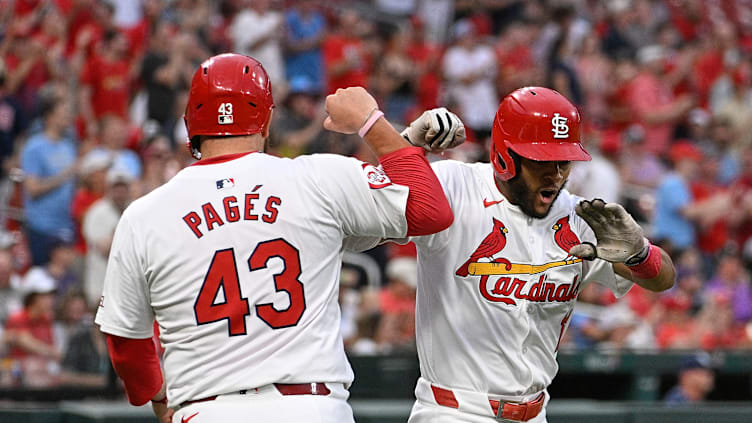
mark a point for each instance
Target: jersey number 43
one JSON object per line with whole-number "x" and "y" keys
{"x": 223, "y": 274}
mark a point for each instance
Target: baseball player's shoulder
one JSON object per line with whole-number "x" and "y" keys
{"x": 324, "y": 160}
{"x": 567, "y": 200}
{"x": 446, "y": 170}
{"x": 145, "y": 206}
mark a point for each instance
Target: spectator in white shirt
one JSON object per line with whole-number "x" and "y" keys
{"x": 98, "y": 229}
{"x": 470, "y": 69}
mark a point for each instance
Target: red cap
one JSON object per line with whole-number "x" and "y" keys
{"x": 685, "y": 150}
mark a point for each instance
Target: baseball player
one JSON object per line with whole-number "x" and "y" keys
{"x": 497, "y": 288}
{"x": 237, "y": 258}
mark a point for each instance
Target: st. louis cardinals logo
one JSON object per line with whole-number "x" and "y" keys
{"x": 560, "y": 127}
{"x": 514, "y": 281}
{"x": 376, "y": 176}
{"x": 564, "y": 237}
{"x": 491, "y": 245}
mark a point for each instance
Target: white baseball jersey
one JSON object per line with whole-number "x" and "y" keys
{"x": 496, "y": 289}
{"x": 238, "y": 260}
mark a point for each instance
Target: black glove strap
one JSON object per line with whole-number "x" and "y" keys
{"x": 640, "y": 257}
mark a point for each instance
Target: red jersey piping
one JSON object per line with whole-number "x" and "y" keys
{"x": 221, "y": 159}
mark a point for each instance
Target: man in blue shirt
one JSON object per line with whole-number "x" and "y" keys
{"x": 306, "y": 27}
{"x": 696, "y": 380}
{"x": 674, "y": 210}
{"x": 49, "y": 163}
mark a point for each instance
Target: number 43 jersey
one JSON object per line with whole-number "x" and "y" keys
{"x": 237, "y": 258}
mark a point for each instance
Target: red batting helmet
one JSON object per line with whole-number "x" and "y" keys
{"x": 537, "y": 123}
{"x": 230, "y": 95}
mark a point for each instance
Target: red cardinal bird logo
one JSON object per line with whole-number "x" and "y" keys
{"x": 492, "y": 244}
{"x": 564, "y": 236}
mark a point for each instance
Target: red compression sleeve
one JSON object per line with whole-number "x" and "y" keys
{"x": 136, "y": 362}
{"x": 427, "y": 209}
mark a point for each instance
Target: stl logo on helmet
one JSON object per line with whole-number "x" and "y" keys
{"x": 225, "y": 114}
{"x": 560, "y": 129}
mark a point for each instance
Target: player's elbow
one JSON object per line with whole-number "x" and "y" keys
{"x": 445, "y": 220}
{"x": 137, "y": 364}
{"x": 667, "y": 282}
{"x": 430, "y": 221}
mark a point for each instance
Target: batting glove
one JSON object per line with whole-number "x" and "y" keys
{"x": 435, "y": 130}
{"x": 620, "y": 238}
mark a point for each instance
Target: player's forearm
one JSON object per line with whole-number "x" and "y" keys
{"x": 427, "y": 210}
{"x": 384, "y": 139}
{"x": 661, "y": 282}
{"x": 137, "y": 364}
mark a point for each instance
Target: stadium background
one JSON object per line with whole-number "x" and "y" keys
{"x": 664, "y": 87}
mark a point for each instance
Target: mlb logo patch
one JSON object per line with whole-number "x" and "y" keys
{"x": 225, "y": 183}
{"x": 225, "y": 119}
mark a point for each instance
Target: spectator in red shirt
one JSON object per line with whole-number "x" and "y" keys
{"x": 28, "y": 332}
{"x": 716, "y": 325}
{"x": 720, "y": 45}
{"x": 28, "y": 68}
{"x": 741, "y": 218}
{"x": 652, "y": 101}
{"x": 397, "y": 305}
{"x": 106, "y": 82}
{"x": 346, "y": 60}
{"x": 87, "y": 23}
{"x": 711, "y": 234}
{"x": 676, "y": 328}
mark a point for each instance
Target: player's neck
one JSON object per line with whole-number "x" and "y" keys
{"x": 215, "y": 147}
{"x": 503, "y": 188}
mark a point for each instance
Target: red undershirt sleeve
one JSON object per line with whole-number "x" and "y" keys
{"x": 427, "y": 209}
{"x": 136, "y": 362}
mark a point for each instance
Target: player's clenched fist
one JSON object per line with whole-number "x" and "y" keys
{"x": 436, "y": 130}
{"x": 348, "y": 109}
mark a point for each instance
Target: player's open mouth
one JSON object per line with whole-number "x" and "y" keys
{"x": 547, "y": 195}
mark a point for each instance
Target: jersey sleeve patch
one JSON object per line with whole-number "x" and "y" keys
{"x": 376, "y": 176}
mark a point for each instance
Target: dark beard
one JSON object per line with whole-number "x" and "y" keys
{"x": 523, "y": 197}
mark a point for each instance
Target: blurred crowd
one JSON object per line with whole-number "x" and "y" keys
{"x": 92, "y": 94}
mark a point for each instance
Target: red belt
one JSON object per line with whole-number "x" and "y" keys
{"x": 315, "y": 388}
{"x": 509, "y": 410}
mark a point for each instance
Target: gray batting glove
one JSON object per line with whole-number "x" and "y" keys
{"x": 620, "y": 238}
{"x": 435, "y": 130}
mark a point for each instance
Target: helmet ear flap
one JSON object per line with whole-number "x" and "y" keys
{"x": 503, "y": 163}
{"x": 194, "y": 146}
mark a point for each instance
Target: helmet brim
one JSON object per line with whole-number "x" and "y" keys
{"x": 548, "y": 151}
